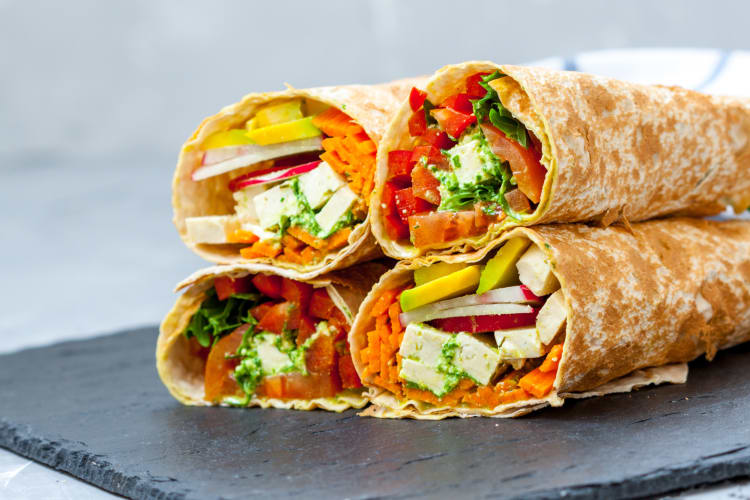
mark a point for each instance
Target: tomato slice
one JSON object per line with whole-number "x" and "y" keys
{"x": 524, "y": 164}
{"x": 438, "y": 227}
{"x": 417, "y": 123}
{"x": 268, "y": 285}
{"x": 395, "y": 228}
{"x": 407, "y": 204}
{"x": 416, "y": 98}
{"x": 453, "y": 122}
{"x": 226, "y": 286}
{"x": 271, "y": 387}
{"x": 425, "y": 185}
{"x": 473, "y": 88}
{"x": 347, "y": 372}
{"x": 459, "y": 102}
{"x": 438, "y": 138}
{"x": 306, "y": 329}
{"x": 283, "y": 313}
{"x": 433, "y": 154}
{"x": 323, "y": 385}
{"x": 219, "y": 372}
{"x": 259, "y": 311}
{"x": 297, "y": 292}
{"x": 321, "y": 356}
{"x": 321, "y": 305}
{"x": 400, "y": 163}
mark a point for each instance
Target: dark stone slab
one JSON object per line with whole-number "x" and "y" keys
{"x": 96, "y": 409}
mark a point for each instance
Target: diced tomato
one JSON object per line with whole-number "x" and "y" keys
{"x": 226, "y": 286}
{"x": 400, "y": 163}
{"x": 434, "y": 156}
{"x": 348, "y": 374}
{"x": 298, "y": 386}
{"x": 453, "y": 122}
{"x": 272, "y": 387}
{"x": 417, "y": 123}
{"x": 438, "y": 138}
{"x": 425, "y": 185}
{"x": 268, "y": 285}
{"x": 306, "y": 328}
{"x": 321, "y": 356}
{"x": 473, "y": 88}
{"x": 218, "y": 376}
{"x": 258, "y": 312}
{"x": 517, "y": 201}
{"x": 482, "y": 219}
{"x": 476, "y": 324}
{"x": 524, "y": 164}
{"x": 388, "y": 200}
{"x": 280, "y": 315}
{"x": 395, "y": 228}
{"x": 416, "y": 98}
{"x": 537, "y": 145}
{"x": 407, "y": 204}
{"x": 439, "y": 227}
{"x": 297, "y": 292}
{"x": 459, "y": 102}
{"x": 321, "y": 305}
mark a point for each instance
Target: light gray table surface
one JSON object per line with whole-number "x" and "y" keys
{"x": 96, "y": 98}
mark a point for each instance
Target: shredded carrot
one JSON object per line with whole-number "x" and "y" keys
{"x": 537, "y": 382}
{"x": 552, "y": 360}
{"x": 384, "y": 302}
{"x": 309, "y": 254}
{"x": 393, "y": 311}
{"x": 306, "y": 237}
{"x": 513, "y": 396}
{"x": 265, "y": 248}
{"x": 335, "y": 123}
{"x": 291, "y": 255}
{"x": 241, "y": 236}
{"x": 290, "y": 241}
{"x": 339, "y": 238}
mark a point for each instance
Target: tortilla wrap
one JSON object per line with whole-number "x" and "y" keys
{"x": 370, "y": 106}
{"x": 640, "y": 300}
{"x": 180, "y": 366}
{"x": 613, "y": 150}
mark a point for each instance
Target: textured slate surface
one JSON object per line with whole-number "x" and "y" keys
{"x": 96, "y": 409}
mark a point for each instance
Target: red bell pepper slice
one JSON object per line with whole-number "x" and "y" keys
{"x": 279, "y": 315}
{"x": 226, "y": 286}
{"x": 459, "y": 102}
{"x": 395, "y": 229}
{"x": 297, "y": 292}
{"x": 417, "y": 98}
{"x": 268, "y": 285}
{"x": 453, "y": 122}
{"x": 417, "y": 124}
{"x": 433, "y": 154}
{"x": 438, "y": 138}
{"x": 524, "y": 164}
{"x": 400, "y": 164}
{"x": 321, "y": 305}
{"x": 473, "y": 88}
{"x": 425, "y": 185}
{"x": 407, "y": 204}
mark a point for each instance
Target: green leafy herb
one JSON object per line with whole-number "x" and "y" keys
{"x": 490, "y": 108}
{"x": 215, "y": 318}
{"x": 428, "y": 106}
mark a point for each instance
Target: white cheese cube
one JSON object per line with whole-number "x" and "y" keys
{"x": 319, "y": 184}
{"x": 423, "y": 343}
{"x": 535, "y": 272}
{"x": 272, "y": 204}
{"x": 468, "y": 165}
{"x": 551, "y": 317}
{"x": 519, "y": 343}
{"x": 339, "y": 203}
{"x": 272, "y": 360}
{"x": 211, "y": 229}
{"x": 423, "y": 375}
{"x": 476, "y": 357}
{"x": 245, "y": 206}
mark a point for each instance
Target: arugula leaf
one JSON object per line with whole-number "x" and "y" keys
{"x": 215, "y": 318}
{"x": 489, "y": 107}
{"x": 428, "y": 106}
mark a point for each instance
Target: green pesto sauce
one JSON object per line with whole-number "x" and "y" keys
{"x": 304, "y": 216}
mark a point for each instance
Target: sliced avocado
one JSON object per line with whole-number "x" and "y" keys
{"x": 274, "y": 114}
{"x": 501, "y": 269}
{"x": 451, "y": 285}
{"x": 284, "y": 132}
{"x": 435, "y": 271}
{"x": 234, "y": 137}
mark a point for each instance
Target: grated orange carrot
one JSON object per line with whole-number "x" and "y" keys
{"x": 537, "y": 382}
{"x": 265, "y": 248}
{"x": 338, "y": 239}
{"x": 513, "y": 396}
{"x": 309, "y": 254}
{"x": 290, "y": 241}
{"x": 393, "y": 311}
{"x": 241, "y": 236}
{"x": 552, "y": 360}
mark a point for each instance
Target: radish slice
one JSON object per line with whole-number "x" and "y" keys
{"x": 218, "y": 155}
{"x": 237, "y": 180}
{"x": 475, "y": 310}
{"x": 477, "y": 324}
{"x": 276, "y": 175}
{"x": 255, "y": 153}
{"x": 508, "y": 295}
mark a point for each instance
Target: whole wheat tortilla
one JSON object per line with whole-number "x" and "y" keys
{"x": 613, "y": 150}
{"x": 370, "y": 106}
{"x": 180, "y": 367}
{"x": 641, "y": 300}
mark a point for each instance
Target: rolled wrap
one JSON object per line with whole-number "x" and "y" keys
{"x": 639, "y": 301}
{"x": 370, "y": 106}
{"x": 179, "y": 361}
{"x": 613, "y": 150}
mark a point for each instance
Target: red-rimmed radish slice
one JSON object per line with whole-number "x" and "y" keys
{"x": 218, "y": 155}
{"x": 455, "y": 312}
{"x": 237, "y": 180}
{"x": 255, "y": 153}
{"x": 490, "y": 323}
{"x": 274, "y": 176}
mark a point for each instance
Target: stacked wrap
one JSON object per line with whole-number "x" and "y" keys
{"x": 370, "y": 106}
{"x": 613, "y": 150}
{"x": 656, "y": 294}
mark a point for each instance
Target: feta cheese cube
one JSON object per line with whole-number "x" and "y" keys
{"x": 423, "y": 375}
{"x": 476, "y": 357}
{"x": 551, "y": 317}
{"x": 519, "y": 343}
{"x": 272, "y": 360}
{"x": 210, "y": 229}
{"x": 338, "y": 204}
{"x": 319, "y": 184}
{"x": 272, "y": 204}
{"x": 535, "y": 272}
{"x": 245, "y": 206}
{"x": 423, "y": 343}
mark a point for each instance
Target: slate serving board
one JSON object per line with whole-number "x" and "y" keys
{"x": 97, "y": 410}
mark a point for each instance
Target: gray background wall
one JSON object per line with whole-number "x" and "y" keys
{"x": 96, "y": 98}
